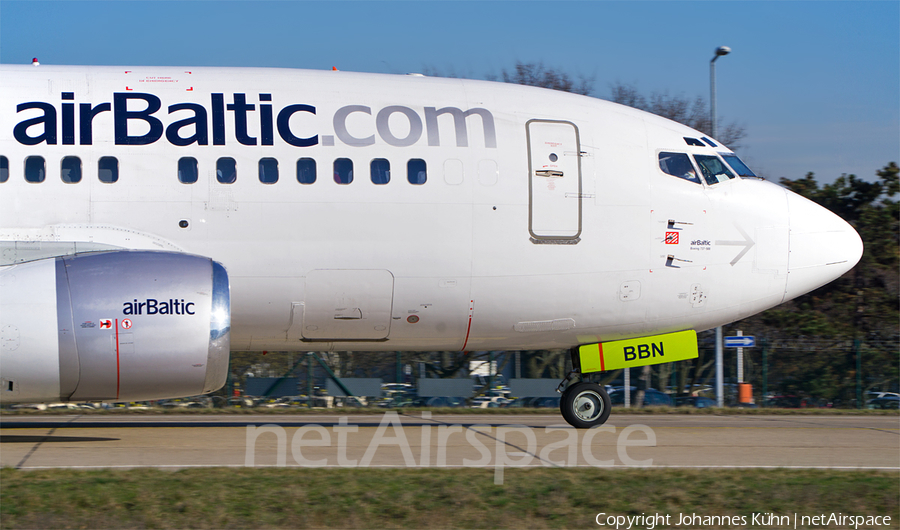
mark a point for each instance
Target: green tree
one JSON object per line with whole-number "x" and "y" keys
{"x": 815, "y": 337}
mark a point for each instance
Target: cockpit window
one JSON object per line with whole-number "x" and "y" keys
{"x": 693, "y": 141}
{"x": 678, "y": 165}
{"x": 737, "y": 165}
{"x": 714, "y": 171}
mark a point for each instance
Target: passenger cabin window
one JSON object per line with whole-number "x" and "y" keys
{"x": 34, "y": 169}
{"x": 187, "y": 170}
{"x": 737, "y": 165}
{"x": 416, "y": 171}
{"x": 714, "y": 171}
{"x": 678, "y": 165}
{"x": 343, "y": 170}
{"x": 70, "y": 170}
{"x": 226, "y": 170}
{"x": 4, "y": 169}
{"x": 108, "y": 169}
{"x": 306, "y": 171}
{"x": 268, "y": 170}
{"x": 381, "y": 171}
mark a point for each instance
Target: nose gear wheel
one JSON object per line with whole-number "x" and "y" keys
{"x": 585, "y": 405}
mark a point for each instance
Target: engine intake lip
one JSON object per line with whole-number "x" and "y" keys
{"x": 219, "y": 330}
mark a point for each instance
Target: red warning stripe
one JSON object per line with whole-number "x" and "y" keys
{"x": 117, "y": 359}
{"x": 602, "y": 363}
{"x": 469, "y": 329}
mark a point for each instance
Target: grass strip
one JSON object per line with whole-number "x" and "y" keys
{"x": 429, "y": 498}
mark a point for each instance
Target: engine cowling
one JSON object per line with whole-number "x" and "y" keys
{"x": 113, "y": 326}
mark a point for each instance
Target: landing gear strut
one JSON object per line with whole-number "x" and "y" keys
{"x": 583, "y": 404}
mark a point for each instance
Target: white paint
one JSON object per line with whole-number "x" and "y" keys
{"x": 30, "y": 345}
{"x": 462, "y": 236}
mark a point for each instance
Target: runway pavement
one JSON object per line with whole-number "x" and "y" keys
{"x": 392, "y": 440}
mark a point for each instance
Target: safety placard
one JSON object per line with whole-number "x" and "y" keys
{"x": 644, "y": 351}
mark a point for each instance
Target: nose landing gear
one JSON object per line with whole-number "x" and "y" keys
{"x": 585, "y": 405}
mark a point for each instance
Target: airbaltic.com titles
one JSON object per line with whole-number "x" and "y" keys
{"x": 768, "y": 520}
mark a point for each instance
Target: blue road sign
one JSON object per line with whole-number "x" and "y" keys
{"x": 744, "y": 341}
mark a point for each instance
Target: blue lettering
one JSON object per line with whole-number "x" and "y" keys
{"x": 200, "y": 136}
{"x": 157, "y": 307}
{"x": 47, "y": 119}
{"x": 240, "y": 108}
{"x": 68, "y": 119}
{"x": 86, "y": 114}
{"x": 121, "y": 115}
{"x": 201, "y": 122}
{"x": 284, "y": 126}
{"x": 267, "y": 136}
{"x": 218, "y": 119}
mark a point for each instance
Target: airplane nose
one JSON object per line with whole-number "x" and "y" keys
{"x": 822, "y": 246}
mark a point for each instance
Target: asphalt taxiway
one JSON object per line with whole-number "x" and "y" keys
{"x": 411, "y": 440}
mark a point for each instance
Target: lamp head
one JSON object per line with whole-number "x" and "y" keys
{"x": 723, "y": 50}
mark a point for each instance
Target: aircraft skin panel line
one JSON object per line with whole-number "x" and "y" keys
{"x": 349, "y": 211}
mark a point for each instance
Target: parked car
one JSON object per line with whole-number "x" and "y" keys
{"x": 699, "y": 402}
{"x": 489, "y": 402}
{"x": 533, "y": 402}
{"x": 884, "y": 402}
{"x": 546, "y": 403}
{"x": 28, "y": 406}
{"x": 784, "y": 402}
{"x": 652, "y": 398}
{"x": 439, "y": 401}
{"x": 63, "y": 406}
{"x": 241, "y": 401}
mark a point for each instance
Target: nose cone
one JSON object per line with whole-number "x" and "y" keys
{"x": 822, "y": 246}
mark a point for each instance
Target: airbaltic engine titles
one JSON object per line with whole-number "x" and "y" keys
{"x": 196, "y": 127}
{"x": 152, "y": 306}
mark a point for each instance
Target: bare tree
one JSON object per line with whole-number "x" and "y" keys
{"x": 536, "y": 74}
{"x": 691, "y": 112}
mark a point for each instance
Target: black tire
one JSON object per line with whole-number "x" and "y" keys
{"x": 585, "y": 405}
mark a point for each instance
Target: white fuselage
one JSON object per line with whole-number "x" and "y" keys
{"x": 542, "y": 220}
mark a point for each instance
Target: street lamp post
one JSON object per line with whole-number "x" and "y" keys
{"x": 720, "y": 51}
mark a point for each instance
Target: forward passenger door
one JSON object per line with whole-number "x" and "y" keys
{"x": 554, "y": 181}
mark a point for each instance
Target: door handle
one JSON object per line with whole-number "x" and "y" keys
{"x": 347, "y": 313}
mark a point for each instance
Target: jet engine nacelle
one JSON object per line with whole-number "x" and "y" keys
{"x": 113, "y": 326}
